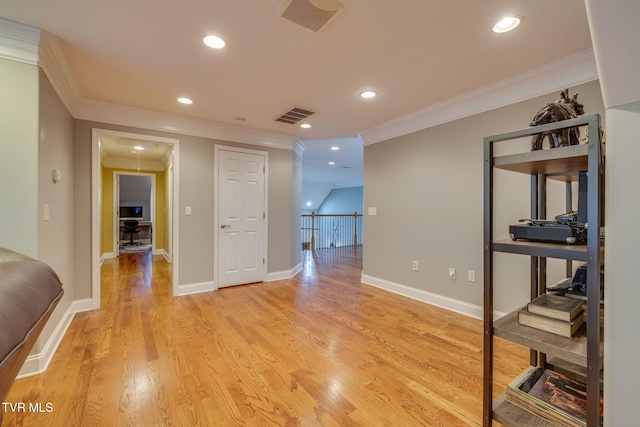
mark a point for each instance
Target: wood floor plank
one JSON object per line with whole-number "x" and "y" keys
{"x": 320, "y": 349}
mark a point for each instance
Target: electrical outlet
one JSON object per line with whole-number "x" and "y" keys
{"x": 416, "y": 265}
{"x": 452, "y": 273}
{"x": 472, "y": 276}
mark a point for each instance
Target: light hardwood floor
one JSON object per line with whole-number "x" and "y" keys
{"x": 320, "y": 349}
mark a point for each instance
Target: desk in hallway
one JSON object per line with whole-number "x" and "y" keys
{"x": 143, "y": 237}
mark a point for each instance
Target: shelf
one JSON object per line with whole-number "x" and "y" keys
{"x": 582, "y": 355}
{"x": 577, "y": 372}
{"x": 509, "y": 415}
{"x": 572, "y": 350}
{"x": 541, "y": 249}
{"x": 561, "y": 163}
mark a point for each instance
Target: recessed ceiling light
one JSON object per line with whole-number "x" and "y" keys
{"x": 214, "y": 42}
{"x": 139, "y": 148}
{"x": 334, "y": 148}
{"x": 308, "y": 203}
{"x": 332, "y": 163}
{"x": 305, "y": 125}
{"x": 367, "y": 94}
{"x": 185, "y": 101}
{"x": 507, "y": 24}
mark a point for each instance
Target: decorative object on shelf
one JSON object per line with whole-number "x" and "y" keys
{"x": 562, "y": 109}
{"x": 548, "y": 231}
{"x": 577, "y": 287}
{"x": 569, "y": 228}
{"x": 603, "y": 136}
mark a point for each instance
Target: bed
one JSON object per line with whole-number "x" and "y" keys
{"x": 29, "y": 291}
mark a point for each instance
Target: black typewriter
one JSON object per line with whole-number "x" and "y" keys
{"x": 562, "y": 230}
{"x": 568, "y": 228}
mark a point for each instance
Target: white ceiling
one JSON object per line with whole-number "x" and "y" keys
{"x": 414, "y": 53}
{"x": 123, "y": 152}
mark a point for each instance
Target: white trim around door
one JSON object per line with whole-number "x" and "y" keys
{"x": 216, "y": 204}
{"x": 96, "y": 205}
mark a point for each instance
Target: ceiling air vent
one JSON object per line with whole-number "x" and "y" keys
{"x": 311, "y": 14}
{"x": 294, "y": 115}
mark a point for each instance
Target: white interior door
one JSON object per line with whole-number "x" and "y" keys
{"x": 241, "y": 218}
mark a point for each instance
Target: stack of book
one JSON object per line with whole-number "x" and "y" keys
{"x": 557, "y": 399}
{"x": 553, "y": 313}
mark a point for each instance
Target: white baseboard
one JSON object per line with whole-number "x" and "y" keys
{"x": 107, "y": 255}
{"x": 81, "y": 305}
{"x": 37, "y": 363}
{"x": 163, "y": 253}
{"x": 286, "y": 274}
{"x": 195, "y": 288}
{"x": 461, "y": 307}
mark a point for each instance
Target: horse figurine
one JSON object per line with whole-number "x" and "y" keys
{"x": 563, "y": 109}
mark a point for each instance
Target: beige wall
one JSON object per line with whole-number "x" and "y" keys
{"x": 196, "y": 187}
{"x": 35, "y": 138}
{"x": 159, "y": 221}
{"x": 55, "y": 236}
{"x": 296, "y": 223}
{"x": 428, "y": 190}
{"x": 19, "y": 157}
{"x": 285, "y": 186}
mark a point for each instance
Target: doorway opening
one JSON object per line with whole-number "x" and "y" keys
{"x": 117, "y": 155}
{"x": 134, "y": 219}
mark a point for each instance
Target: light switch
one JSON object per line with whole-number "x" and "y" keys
{"x": 45, "y": 213}
{"x": 373, "y": 211}
{"x": 187, "y": 210}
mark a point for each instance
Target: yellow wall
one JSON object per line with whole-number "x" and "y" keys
{"x": 160, "y": 221}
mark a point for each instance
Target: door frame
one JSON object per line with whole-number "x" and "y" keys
{"x": 96, "y": 206}
{"x": 216, "y": 203}
{"x": 116, "y": 207}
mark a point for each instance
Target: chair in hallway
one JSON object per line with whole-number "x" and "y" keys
{"x": 131, "y": 228}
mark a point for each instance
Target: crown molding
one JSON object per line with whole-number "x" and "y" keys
{"x": 155, "y": 120}
{"x": 570, "y": 71}
{"x": 299, "y": 147}
{"x": 54, "y": 64}
{"x": 19, "y": 42}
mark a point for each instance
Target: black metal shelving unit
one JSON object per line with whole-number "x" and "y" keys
{"x": 583, "y": 353}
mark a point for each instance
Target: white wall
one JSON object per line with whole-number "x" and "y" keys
{"x": 622, "y": 293}
{"x": 615, "y": 33}
{"x": 135, "y": 190}
{"x": 19, "y": 157}
{"x": 343, "y": 201}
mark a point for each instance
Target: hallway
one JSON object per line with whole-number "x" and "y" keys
{"x": 319, "y": 349}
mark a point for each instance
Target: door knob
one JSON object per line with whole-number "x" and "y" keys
{"x": 225, "y": 226}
